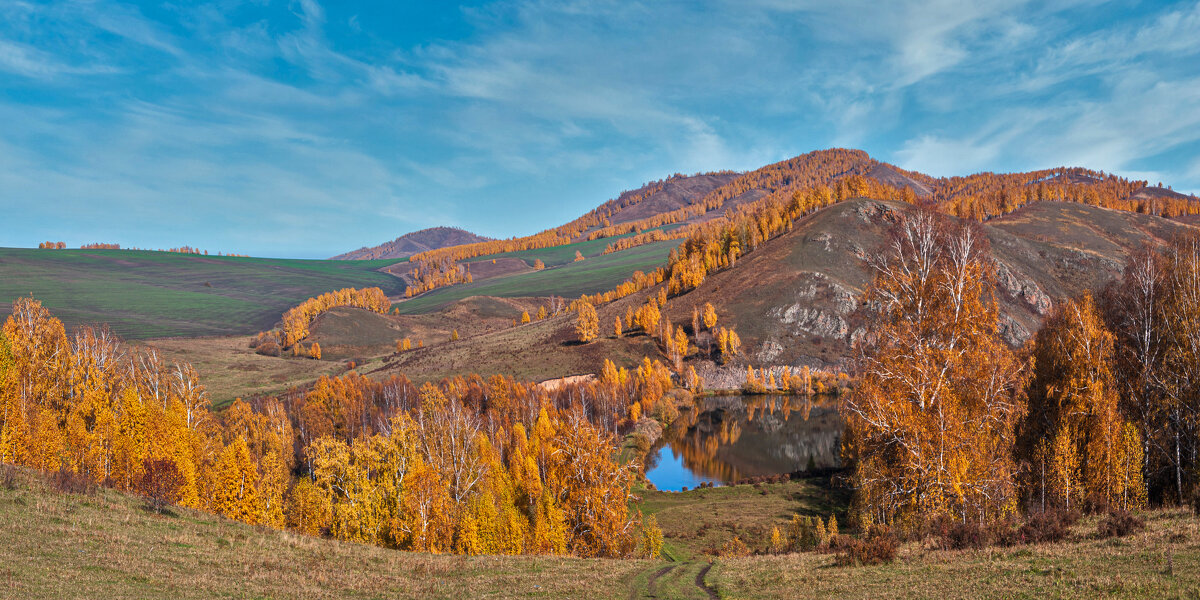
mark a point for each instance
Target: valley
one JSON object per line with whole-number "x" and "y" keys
{"x": 705, "y": 409}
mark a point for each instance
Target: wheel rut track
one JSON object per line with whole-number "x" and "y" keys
{"x": 700, "y": 575}
{"x": 672, "y": 576}
{"x": 652, "y": 585}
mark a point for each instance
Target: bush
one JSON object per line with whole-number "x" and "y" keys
{"x": 1047, "y": 526}
{"x": 966, "y": 535}
{"x": 1119, "y": 523}
{"x": 268, "y": 348}
{"x": 161, "y": 482}
{"x": 8, "y": 477}
{"x": 1003, "y": 533}
{"x": 878, "y": 549}
{"x": 69, "y": 482}
{"x": 664, "y": 412}
{"x": 734, "y": 548}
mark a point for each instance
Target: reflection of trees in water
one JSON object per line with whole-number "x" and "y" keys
{"x": 730, "y": 438}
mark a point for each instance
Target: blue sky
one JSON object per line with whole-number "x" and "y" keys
{"x": 307, "y": 128}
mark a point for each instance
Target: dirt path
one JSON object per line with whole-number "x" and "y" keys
{"x": 677, "y": 580}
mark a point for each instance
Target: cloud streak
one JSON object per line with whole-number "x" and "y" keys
{"x": 238, "y": 125}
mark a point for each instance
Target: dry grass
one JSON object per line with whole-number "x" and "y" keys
{"x": 230, "y": 369}
{"x": 109, "y": 546}
{"x": 708, "y": 518}
{"x": 1161, "y": 562}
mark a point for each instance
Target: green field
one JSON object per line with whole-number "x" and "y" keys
{"x": 562, "y": 255}
{"x": 144, "y": 294}
{"x": 598, "y": 273}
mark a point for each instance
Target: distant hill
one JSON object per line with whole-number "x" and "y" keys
{"x": 415, "y": 243}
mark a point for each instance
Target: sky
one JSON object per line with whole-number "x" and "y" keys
{"x": 308, "y": 128}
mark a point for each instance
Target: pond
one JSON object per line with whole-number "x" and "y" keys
{"x": 729, "y": 438}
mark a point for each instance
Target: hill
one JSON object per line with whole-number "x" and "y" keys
{"x": 793, "y": 300}
{"x": 143, "y": 294}
{"x": 666, "y": 195}
{"x": 414, "y": 243}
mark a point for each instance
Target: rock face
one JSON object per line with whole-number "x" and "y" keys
{"x": 795, "y": 300}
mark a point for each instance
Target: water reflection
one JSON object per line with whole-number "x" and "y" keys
{"x": 734, "y": 437}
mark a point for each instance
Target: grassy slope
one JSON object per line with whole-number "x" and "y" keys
{"x": 158, "y": 294}
{"x": 597, "y": 273}
{"x": 1081, "y": 567}
{"x": 107, "y": 545}
{"x": 565, "y": 254}
{"x": 230, "y": 369}
{"x": 697, "y": 519}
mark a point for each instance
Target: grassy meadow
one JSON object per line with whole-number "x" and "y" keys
{"x": 597, "y": 273}
{"x": 143, "y": 294}
{"x": 109, "y": 544}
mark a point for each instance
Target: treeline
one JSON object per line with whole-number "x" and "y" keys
{"x": 296, "y": 321}
{"x": 469, "y": 466}
{"x": 947, "y": 421}
{"x": 432, "y": 273}
{"x": 113, "y": 246}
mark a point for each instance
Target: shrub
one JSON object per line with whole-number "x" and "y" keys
{"x": 734, "y": 548}
{"x": 1119, "y": 523}
{"x": 1003, "y": 533}
{"x": 160, "y": 483}
{"x": 268, "y": 348}
{"x": 69, "y": 482}
{"x": 1047, "y": 526}
{"x": 8, "y": 477}
{"x": 878, "y": 549}
{"x": 664, "y": 412}
{"x": 964, "y": 535}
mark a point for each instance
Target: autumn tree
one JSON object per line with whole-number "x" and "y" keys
{"x": 930, "y": 425}
{"x": 524, "y": 317}
{"x": 161, "y": 482}
{"x": 235, "y": 490}
{"x": 587, "y": 323}
{"x": 315, "y": 351}
{"x": 709, "y": 316}
{"x": 1080, "y": 450}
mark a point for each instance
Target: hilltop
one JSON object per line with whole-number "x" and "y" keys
{"x": 415, "y": 243}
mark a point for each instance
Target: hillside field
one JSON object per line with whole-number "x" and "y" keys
{"x": 108, "y": 544}
{"x": 597, "y": 273}
{"x": 143, "y": 294}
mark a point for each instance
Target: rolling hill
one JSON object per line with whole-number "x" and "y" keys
{"x": 414, "y": 243}
{"x": 144, "y": 294}
{"x": 793, "y": 300}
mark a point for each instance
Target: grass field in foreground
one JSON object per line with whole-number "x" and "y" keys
{"x": 55, "y": 545}
{"x": 595, "y": 274}
{"x": 108, "y": 545}
{"x": 142, "y": 294}
{"x": 1161, "y": 562}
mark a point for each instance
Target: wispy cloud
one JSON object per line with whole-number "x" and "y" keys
{"x": 237, "y": 125}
